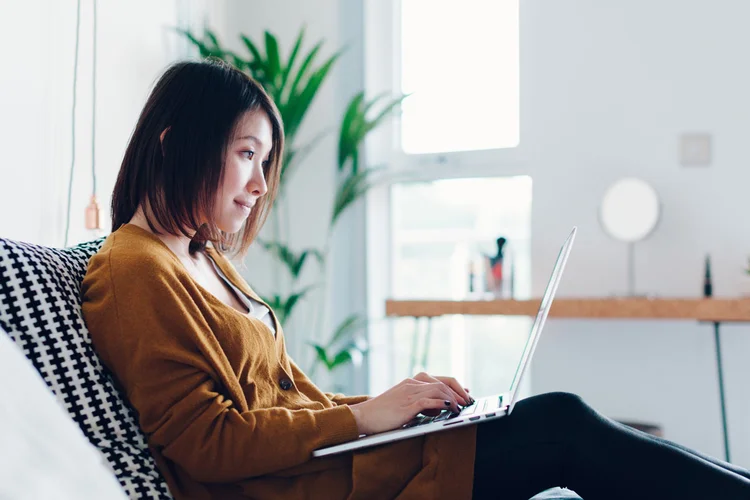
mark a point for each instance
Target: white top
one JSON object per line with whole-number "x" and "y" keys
{"x": 255, "y": 308}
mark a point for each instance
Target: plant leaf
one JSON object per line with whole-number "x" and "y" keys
{"x": 236, "y": 61}
{"x": 299, "y": 103}
{"x": 355, "y": 127}
{"x": 210, "y": 47}
{"x": 257, "y": 65}
{"x": 292, "y": 58}
{"x": 212, "y": 37}
{"x": 204, "y": 49}
{"x": 373, "y": 102}
{"x": 303, "y": 69}
{"x": 342, "y": 357}
{"x": 251, "y": 48}
{"x": 274, "y": 63}
{"x": 384, "y": 112}
{"x": 283, "y": 307}
{"x": 350, "y": 354}
{"x": 274, "y": 301}
{"x": 291, "y": 301}
{"x": 348, "y": 124}
{"x": 281, "y": 252}
{"x": 350, "y": 190}
{"x": 293, "y": 157}
{"x": 293, "y": 262}
{"x": 351, "y": 325}
{"x": 321, "y": 354}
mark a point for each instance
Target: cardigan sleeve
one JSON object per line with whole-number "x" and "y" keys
{"x": 307, "y": 385}
{"x": 342, "y": 399}
{"x": 150, "y": 333}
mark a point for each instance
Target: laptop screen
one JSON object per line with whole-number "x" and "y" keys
{"x": 541, "y": 316}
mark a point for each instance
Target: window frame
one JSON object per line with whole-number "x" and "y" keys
{"x": 382, "y": 61}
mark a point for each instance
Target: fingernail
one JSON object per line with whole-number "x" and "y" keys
{"x": 467, "y": 390}
{"x": 447, "y": 403}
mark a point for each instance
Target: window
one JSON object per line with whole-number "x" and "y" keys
{"x": 456, "y": 181}
{"x": 460, "y": 65}
{"x": 439, "y": 230}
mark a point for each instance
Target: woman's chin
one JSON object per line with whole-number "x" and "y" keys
{"x": 235, "y": 229}
{"x": 231, "y": 227}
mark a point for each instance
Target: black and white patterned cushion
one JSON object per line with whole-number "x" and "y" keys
{"x": 40, "y": 308}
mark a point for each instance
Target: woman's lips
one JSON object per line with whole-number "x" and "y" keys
{"x": 246, "y": 207}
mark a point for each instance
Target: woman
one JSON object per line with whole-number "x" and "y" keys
{"x": 203, "y": 360}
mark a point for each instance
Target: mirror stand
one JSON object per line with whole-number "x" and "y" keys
{"x": 631, "y": 268}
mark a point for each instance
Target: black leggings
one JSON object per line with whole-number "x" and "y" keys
{"x": 556, "y": 439}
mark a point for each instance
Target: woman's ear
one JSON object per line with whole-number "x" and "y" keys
{"x": 161, "y": 139}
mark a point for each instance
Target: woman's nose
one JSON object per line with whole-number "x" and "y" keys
{"x": 257, "y": 184}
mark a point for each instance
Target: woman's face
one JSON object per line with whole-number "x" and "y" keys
{"x": 244, "y": 171}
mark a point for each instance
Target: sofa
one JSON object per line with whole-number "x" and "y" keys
{"x": 40, "y": 311}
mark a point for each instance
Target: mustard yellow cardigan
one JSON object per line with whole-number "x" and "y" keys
{"x": 227, "y": 413}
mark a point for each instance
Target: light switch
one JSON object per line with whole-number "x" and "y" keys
{"x": 695, "y": 149}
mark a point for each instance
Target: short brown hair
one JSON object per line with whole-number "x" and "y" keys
{"x": 200, "y": 103}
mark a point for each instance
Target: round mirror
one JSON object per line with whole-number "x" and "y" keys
{"x": 630, "y": 210}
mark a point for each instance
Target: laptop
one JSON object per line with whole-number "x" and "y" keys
{"x": 483, "y": 409}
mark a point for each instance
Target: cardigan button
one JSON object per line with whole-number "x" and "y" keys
{"x": 285, "y": 384}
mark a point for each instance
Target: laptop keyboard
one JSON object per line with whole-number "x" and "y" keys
{"x": 477, "y": 407}
{"x": 424, "y": 419}
{"x": 444, "y": 415}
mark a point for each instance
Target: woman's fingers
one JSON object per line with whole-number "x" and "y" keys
{"x": 456, "y": 387}
{"x": 437, "y": 390}
{"x": 431, "y": 413}
{"x": 459, "y": 392}
{"x": 426, "y": 377}
{"x": 427, "y": 403}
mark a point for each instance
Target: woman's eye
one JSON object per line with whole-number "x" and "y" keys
{"x": 248, "y": 154}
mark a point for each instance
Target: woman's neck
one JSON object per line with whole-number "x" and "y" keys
{"x": 179, "y": 244}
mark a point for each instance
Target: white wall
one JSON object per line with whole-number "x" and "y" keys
{"x": 23, "y": 107}
{"x": 135, "y": 43}
{"x": 607, "y": 88}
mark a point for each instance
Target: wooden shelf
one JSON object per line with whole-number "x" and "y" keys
{"x": 716, "y": 309}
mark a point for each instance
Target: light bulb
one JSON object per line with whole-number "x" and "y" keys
{"x": 92, "y": 214}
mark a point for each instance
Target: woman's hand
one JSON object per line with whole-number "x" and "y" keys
{"x": 401, "y": 403}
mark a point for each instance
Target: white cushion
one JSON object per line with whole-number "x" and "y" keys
{"x": 44, "y": 454}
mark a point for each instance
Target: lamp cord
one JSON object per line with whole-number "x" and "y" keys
{"x": 93, "y": 109}
{"x": 73, "y": 124}
{"x": 73, "y": 118}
